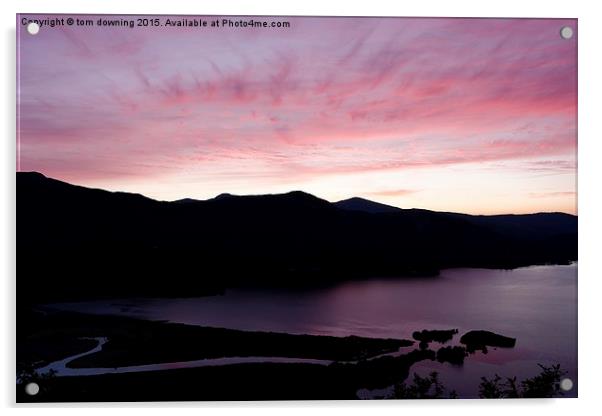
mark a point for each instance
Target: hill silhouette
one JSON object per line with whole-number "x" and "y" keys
{"x": 76, "y": 242}
{"x": 365, "y": 205}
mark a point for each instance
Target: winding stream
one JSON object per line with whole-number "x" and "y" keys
{"x": 62, "y": 370}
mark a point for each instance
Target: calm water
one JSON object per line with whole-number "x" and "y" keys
{"x": 536, "y": 305}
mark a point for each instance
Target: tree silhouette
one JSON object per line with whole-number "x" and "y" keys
{"x": 423, "y": 388}
{"x": 545, "y": 384}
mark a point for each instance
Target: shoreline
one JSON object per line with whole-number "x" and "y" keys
{"x": 140, "y": 342}
{"x": 160, "y": 361}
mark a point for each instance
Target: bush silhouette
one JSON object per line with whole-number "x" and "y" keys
{"x": 423, "y": 388}
{"x": 545, "y": 384}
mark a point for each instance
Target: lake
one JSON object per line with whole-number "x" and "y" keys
{"x": 536, "y": 305}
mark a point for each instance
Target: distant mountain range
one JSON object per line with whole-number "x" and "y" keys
{"x": 77, "y": 242}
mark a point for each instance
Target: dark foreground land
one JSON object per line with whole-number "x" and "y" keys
{"x": 55, "y": 336}
{"x": 355, "y": 362}
{"x": 233, "y": 382}
{"x": 137, "y": 342}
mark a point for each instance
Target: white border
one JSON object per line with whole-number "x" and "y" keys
{"x": 590, "y": 210}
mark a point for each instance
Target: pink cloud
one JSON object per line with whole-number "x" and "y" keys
{"x": 327, "y": 97}
{"x": 394, "y": 192}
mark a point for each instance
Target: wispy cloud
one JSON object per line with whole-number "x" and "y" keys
{"x": 552, "y": 194}
{"x": 329, "y": 97}
{"x": 393, "y": 192}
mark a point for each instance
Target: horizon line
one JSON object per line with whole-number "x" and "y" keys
{"x": 286, "y": 193}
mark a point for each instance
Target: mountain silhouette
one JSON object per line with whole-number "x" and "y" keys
{"x": 540, "y": 224}
{"x": 365, "y": 205}
{"x": 75, "y": 242}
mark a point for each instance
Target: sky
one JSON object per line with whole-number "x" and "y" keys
{"x": 464, "y": 115}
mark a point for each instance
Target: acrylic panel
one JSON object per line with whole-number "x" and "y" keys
{"x": 292, "y": 208}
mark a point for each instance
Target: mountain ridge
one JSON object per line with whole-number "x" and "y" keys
{"x": 351, "y": 204}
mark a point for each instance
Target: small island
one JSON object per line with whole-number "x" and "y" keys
{"x": 482, "y": 339}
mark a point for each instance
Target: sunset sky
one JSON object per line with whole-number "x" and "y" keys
{"x": 465, "y": 115}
